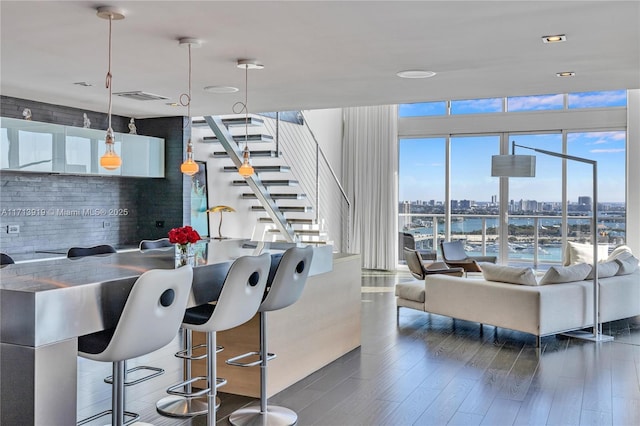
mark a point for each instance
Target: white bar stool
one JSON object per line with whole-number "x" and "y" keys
{"x": 105, "y": 249}
{"x": 150, "y": 319}
{"x": 239, "y": 300}
{"x": 284, "y": 290}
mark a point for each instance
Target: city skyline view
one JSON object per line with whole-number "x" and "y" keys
{"x": 422, "y": 161}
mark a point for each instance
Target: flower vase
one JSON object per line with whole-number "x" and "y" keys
{"x": 184, "y": 255}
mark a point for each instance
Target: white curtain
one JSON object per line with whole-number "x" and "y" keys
{"x": 370, "y": 163}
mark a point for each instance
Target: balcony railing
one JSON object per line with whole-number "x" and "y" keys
{"x": 532, "y": 239}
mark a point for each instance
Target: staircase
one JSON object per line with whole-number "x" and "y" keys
{"x": 286, "y": 213}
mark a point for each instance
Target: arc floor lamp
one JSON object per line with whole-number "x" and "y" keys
{"x": 525, "y": 166}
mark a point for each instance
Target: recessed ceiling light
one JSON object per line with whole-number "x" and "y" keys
{"x": 565, "y": 74}
{"x": 415, "y": 74}
{"x": 558, "y": 38}
{"x": 83, "y": 84}
{"x": 221, "y": 89}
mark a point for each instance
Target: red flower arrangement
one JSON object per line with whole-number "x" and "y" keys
{"x": 183, "y": 235}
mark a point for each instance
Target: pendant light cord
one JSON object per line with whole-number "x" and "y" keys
{"x": 185, "y": 98}
{"x": 109, "y": 76}
{"x": 246, "y": 106}
{"x": 239, "y": 106}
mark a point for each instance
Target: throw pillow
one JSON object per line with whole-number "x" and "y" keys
{"x": 605, "y": 270}
{"x": 628, "y": 265}
{"x": 620, "y": 252}
{"x": 566, "y": 274}
{"x": 583, "y": 253}
{"x": 508, "y": 274}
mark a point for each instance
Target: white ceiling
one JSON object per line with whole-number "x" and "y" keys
{"x": 317, "y": 54}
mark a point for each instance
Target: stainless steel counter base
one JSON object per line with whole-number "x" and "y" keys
{"x": 38, "y": 385}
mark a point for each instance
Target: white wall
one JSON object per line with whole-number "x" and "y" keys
{"x": 326, "y": 125}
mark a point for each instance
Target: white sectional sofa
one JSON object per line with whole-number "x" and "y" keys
{"x": 537, "y": 309}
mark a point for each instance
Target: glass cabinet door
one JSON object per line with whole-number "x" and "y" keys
{"x": 30, "y": 146}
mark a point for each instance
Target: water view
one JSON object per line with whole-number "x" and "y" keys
{"x": 522, "y": 238}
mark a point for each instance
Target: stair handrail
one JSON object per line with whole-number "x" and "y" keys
{"x": 255, "y": 183}
{"x": 326, "y": 161}
{"x": 300, "y": 147}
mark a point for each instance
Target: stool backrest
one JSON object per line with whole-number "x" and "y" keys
{"x": 289, "y": 279}
{"x": 152, "y": 314}
{"x": 241, "y": 293}
{"x": 5, "y": 259}
{"x": 90, "y": 251}
{"x": 155, "y": 244}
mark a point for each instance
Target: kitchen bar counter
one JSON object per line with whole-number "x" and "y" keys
{"x": 46, "y": 305}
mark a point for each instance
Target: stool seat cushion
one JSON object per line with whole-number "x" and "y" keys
{"x": 198, "y": 315}
{"x": 96, "y": 343}
{"x": 411, "y": 291}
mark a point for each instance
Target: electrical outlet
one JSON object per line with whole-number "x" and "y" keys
{"x": 13, "y": 229}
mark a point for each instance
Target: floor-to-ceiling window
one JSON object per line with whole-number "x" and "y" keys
{"x": 474, "y": 194}
{"x": 422, "y": 174}
{"x": 535, "y": 204}
{"x": 541, "y": 213}
{"x": 609, "y": 150}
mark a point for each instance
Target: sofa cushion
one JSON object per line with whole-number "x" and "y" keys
{"x": 605, "y": 270}
{"x": 411, "y": 291}
{"x": 627, "y": 265}
{"x": 583, "y": 253}
{"x": 566, "y": 274}
{"x": 508, "y": 274}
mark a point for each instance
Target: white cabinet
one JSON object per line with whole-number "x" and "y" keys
{"x": 31, "y": 146}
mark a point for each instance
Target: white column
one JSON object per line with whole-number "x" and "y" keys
{"x": 633, "y": 170}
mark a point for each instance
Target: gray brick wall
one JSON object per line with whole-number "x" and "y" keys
{"x": 59, "y": 211}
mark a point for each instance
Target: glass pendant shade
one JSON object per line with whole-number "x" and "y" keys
{"x": 246, "y": 169}
{"x": 110, "y": 160}
{"x": 189, "y": 167}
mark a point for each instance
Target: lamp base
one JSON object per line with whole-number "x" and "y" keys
{"x": 585, "y": 335}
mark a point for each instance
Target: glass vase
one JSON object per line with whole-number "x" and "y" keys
{"x": 184, "y": 255}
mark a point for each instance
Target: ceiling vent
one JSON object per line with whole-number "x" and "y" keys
{"x": 141, "y": 96}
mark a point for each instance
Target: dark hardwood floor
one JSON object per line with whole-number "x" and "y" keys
{"x": 429, "y": 369}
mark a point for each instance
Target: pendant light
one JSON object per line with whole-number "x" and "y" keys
{"x": 189, "y": 167}
{"x": 110, "y": 160}
{"x": 246, "y": 170}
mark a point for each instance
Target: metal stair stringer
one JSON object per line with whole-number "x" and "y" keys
{"x": 230, "y": 146}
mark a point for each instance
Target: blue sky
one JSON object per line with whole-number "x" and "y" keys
{"x": 422, "y": 161}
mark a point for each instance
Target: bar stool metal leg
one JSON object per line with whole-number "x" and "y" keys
{"x": 263, "y": 414}
{"x": 117, "y": 411}
{"x": 182, "y": 405}
{"x": 212, "y": 375}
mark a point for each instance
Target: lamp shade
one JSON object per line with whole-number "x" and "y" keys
{"x": 513, "y": 166}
